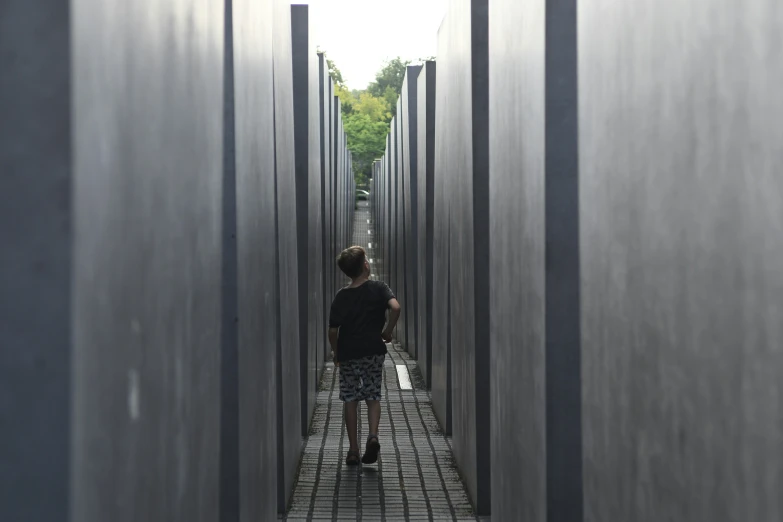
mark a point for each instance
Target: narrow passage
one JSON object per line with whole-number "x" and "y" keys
{"x": 415, "y": 478}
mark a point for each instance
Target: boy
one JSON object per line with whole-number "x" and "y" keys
{"x": 358, "y": 341}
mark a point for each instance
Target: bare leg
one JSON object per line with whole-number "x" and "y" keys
{"x": 351, "y": 417}
{"x": 373, "y": 416}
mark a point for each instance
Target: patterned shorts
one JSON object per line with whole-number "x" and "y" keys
{"x": 361, "y": 379}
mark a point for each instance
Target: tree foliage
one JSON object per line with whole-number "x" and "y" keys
{"x": 392, "y": 74}
{"x": 367, "y": 114}
{"x": 346, "y": 99}
{"x": 377, "y": 109}
{"x": 334, "y": 72}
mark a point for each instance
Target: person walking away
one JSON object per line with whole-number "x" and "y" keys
{"x": 358, "y": 340}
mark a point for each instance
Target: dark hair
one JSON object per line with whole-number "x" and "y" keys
{"x": 351, "y": 261}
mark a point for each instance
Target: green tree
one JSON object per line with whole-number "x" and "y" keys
{"x": 390, "y": 98}
{"x": 347, "y": 100}
{"x": 376, "y": 108}
{"x": 367, "y": 114}
{"x": 334, "y": 72}
{"x": 366, "y": 141}
{"x": 391, "y": 75}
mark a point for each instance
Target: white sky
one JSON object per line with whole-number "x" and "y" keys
{"x": 358, "y": 35}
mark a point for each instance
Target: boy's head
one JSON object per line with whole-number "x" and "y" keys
{"x": 353, "y": 262}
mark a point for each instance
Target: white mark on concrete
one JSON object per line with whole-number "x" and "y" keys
{"x": 133, "y": 395}
{"x": 404, "y": 377}
{"x": 369, "y": 245}
{"x": 369, "y": 232}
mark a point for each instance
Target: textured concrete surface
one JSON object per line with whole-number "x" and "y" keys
{"x": 229, "y": 327}
{"x": 339, "y": 162}
{"x": 517, "y": 260}
{"x": 316, "y": 305}
{"x": 409, "y": 109}
{"x": 441, "y": 261}
{"x": 329, "y": 114}
{"x": 255, "y": 153}
{"x": 415, "y": 477}
{"x": 563, "y": 302}
{"x": 425, "y": 168}
{"x": 400, "y": 260}
{"x": 388, "y": 244}
{"x": 391, "y": 154}
{"x": 382, "y": 225}
{"x": 335, "y": 242}
{"x": 324, "y": 100}
{"x": 308, "y": 206}
{"x": 398, "y": 257}
{"x": 36, "y": 238}
{"x": 288, "y": 364}
{"x": 377, "y": 219}
{"x": 147, "y": 122}
{"x": 680, "y": 193}
{"x": 463, "y": 163}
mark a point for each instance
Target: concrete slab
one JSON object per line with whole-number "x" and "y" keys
{"x": 463, "y": 164}
{"x": 425, "y": 164}
{"x": 316, "y": 308}
{"x": 36, "y": 234}
{"x": 308, "y": 201}
{"x": 256, "y": 214}
{"x": 288, "y": 383}
{"x": 147, "y": 122}
{"x": 409, "y": 109}
{"x": 441, "y": 261}
{"x": 399, "y": 224}
{"x": 680, "y": 209}
{"x": 517, "y": 261}
{"x": 230, "y": 483}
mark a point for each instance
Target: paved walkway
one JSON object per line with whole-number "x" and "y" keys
{"x": 415, "y": 477}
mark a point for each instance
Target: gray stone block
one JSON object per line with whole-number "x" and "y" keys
{"x": 147, "y": 123}
{"x": 336, "y": 187}
{"x": 323, "y": 159}
{"x": 517, "y": 261}
{"x": 399, "y": 224}
{"x": 288, "y": 383}
{"x": 393, "y": 212}
{"x": 409, "y": 109}
{"x": 680, "y": 208}
{"x": 316, "y": 310}
{"x": 441, "y": 384}
{"x": 326, "y": 188}
{"x": 389, "y": 243}
{"x": 229, "y": 328}
{"x": 308, "y": 207}
{"x": 339, "y": 218}
{"x": 425, "y": 164}
{"x": 36, "y": 238}
{"x": 562, "y": 270}
{"x": 257, "y": 275}
{"x": 462, "y": 147}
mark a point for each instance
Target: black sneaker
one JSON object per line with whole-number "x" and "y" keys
{"x": 371, "y": 453}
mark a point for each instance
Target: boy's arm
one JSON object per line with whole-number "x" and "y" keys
{"x": 334, "y": 328}
{"x": 394, "y": 315}
{"x": 333, "y": 332}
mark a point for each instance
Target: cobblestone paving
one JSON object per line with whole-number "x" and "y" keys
{"x": 415, "y": 477}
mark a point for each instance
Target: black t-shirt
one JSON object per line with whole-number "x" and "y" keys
{"x": 360, "y": 314}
